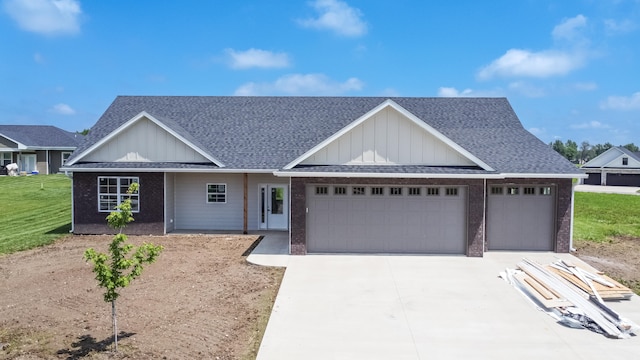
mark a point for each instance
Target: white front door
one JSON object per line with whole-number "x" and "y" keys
{"x": 274, "y": 207}
{"x": 28, "y": 162}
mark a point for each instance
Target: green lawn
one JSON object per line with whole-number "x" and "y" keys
{"x": 34, "y": 211}
{"x": 599, "y": 216}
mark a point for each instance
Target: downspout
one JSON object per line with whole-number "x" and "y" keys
{"x": 573, "y": 197}
{"x": 73, "y": 222}
{"x": 290, "y": 212}
{"x": 484, "y": 216}
{"x": 48, "y": 163}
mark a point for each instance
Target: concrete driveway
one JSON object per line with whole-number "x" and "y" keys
{"x": 422, "y": 307}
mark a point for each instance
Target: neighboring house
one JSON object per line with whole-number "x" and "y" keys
{"x": 340, "y": 174}
{"x": 36, "y": 148}
{"x": 617, "y": 166}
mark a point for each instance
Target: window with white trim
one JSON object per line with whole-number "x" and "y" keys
{"x": 358, "y": 190}
{"x": 216, "y": 193}
{"x": 395, "y": 191}
{"x": 529, "y": 190}
{"x": 377, "y": 191}
{"x": 415, "y": 191}
{"x": 339, "y": 190}
{"x": 322, "y": 190}
{"x": 625, "y": 161}
{"x": 5, "y": 158}
{"x": 65, "y": 156}
{"x": 112, "y": 191}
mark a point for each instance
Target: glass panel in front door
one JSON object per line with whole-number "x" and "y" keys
{"x": 277, "y": 200}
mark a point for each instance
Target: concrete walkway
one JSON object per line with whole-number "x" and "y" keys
{"x": 628, "y": 190}
{"x": 422, "y": 307}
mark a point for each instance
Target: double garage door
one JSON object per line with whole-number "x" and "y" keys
{"x": 386, "y": 219}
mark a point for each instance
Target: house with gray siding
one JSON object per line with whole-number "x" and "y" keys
{"x": 338, "y": 174}
{"x": 618, "y": 166}
{"x": 39, "y": 149}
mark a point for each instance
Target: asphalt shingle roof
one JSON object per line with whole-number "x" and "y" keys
{"x": 270, "y": 132}
{"x": 41, "y": 136}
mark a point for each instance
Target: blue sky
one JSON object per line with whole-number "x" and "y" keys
{"x": 571, "y": 69}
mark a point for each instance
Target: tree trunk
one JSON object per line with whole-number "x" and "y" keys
{"x": 115, "y": 325}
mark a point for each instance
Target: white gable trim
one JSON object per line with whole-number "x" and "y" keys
{"x": 403, "y": 111}
{"x": 135, "y": 119}
{"x": 21, "y": 146}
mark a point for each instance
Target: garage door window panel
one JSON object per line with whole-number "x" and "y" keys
{"x": 433, "y": 191}
{"x": 340, "y": 190}
{"x": 545, "y": 190}
{"x": 529, "y": 191}
{"x": 512, "y": 190}
{"x": 395, "y": 191}
{"x": 358, "y": 190}
{"x": 322, "y": 190}
{"x": 379, "y": 191}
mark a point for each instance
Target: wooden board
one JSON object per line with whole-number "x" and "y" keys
{"x": 534, "y": 287}
{"x": 618, "y": 292}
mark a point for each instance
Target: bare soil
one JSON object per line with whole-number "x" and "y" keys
{"x": 619, "y": 258}
{"x": 200, "y": 300}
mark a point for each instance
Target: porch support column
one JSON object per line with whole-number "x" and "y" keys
{"x": 246, "y": 203}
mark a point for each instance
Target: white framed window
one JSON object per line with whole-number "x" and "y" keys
{"x": 65, "y": 156}
{"x": 5, "y": 158}
{"x": 358, "y": 190}
{"x": 545, "y": 190}
{"x": 529, "y": 190}
{"x": 377, "y": 190}
{"x": 513, "y": 190}
{"x": 625, "y": 161}
{"x": 415, "y": 191}
{"x": 322, "y": 190}
{"x": 451, "y": 191}
{"x": 216, "y": 193}
{"x": 112, "y": 190}
{"x": 395, "y": 191}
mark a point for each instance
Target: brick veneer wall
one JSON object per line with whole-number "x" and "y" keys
{"x": 88, "y": 220}
{"x": 475, "y": 206}
{"x": 563, "y": 207}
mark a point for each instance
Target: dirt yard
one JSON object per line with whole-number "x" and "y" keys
{"x": 200, "y": 300}
{"x": 619, "y": 258}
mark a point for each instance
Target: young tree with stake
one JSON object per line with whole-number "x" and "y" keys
{"x": 115, "y": 270}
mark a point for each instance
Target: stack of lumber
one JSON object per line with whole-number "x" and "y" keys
{"x": 575, "y": 295}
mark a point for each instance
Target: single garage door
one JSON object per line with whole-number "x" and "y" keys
{"x": 386, "y": 219}
{"x": 593, "y": 179}
{"x": 521, "y": 217}
{"x": 623, "y": 179}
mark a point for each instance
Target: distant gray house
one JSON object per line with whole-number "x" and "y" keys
{"x": 338, "y": 174}
{"x": 617, "y": 166}
{"x": 36, "y": 148}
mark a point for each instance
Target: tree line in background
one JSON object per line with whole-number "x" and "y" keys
{"x": 585, "y": 152}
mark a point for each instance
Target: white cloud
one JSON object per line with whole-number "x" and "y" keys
{"x": 525, "y": 63}
{"x": 590, "y": 125}
{"x": 622, "y": 102}
{"x": 62, "y": 109}
{"x": 38, "y": 58}
{"x": 256, "y": 58}
{"x": 619, "y": 27}
{"x": 527, "y": 89}
{"x": 47, "y": 17}
{"x": 569, "y": 29}
{"x": 585, "y": 86}
{"x": 453, "y": 92}
{"x": 537, "y": 131}
{"x": 337, "y": 16}
{"x": 301, "y": 84}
